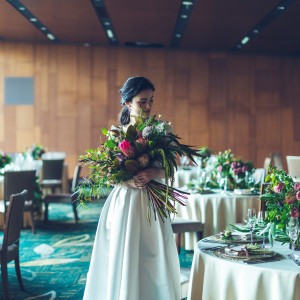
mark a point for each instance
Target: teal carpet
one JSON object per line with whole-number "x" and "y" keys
{"x": 55, "y": 261}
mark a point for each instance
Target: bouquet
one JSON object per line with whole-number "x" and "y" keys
{"x": 282, "y": 200}
{"x": 5, "y": 159}
{"x": 148, "y": 143}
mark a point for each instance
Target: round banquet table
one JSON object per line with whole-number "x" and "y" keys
{"x": 215, "y": 278}
{"x": 216, "y": 211}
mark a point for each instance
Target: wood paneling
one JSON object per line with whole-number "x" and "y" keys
{"x": 246, "y": 103}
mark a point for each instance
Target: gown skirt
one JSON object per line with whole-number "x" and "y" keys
{"x": 131, "y": 259}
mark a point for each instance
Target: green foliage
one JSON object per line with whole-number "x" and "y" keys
{"x": 5, "y": 159}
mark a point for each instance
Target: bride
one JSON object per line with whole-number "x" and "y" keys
{"x": 132, "y": 260}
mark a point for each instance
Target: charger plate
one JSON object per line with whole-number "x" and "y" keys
{"x": 237, "y": 239}
{"x": 221, "y": 252}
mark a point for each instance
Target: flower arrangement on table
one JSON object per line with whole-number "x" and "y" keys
{"x": 147, "y": 143}
{"x": 282, "y": 200}
{"x": 36, "y": 151}
{"x": 234, "y": 170}
{"x": 5, "y": 159}
{"x": 206, "y": 153}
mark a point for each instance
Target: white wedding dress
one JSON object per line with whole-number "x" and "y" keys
{"x": 131, "y": 259}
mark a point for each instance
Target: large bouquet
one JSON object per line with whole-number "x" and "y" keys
{"x": 148, "y": 143}
{"x": 282, "y": 199}
{"x": 5, "y": 159}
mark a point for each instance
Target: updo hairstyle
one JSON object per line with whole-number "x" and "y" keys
{"x": 132, "y": 87}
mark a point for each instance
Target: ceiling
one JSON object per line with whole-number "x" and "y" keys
{"x": 268, "y": 26}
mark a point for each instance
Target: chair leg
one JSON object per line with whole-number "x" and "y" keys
{"x": 178, "y": 238}
{"x": 18, "y": 271}
{"x": 5, "y": 280}
{"x": 75, "y": 211}
{"x": 46, "y": 212}
{"x": 32, "y": 220}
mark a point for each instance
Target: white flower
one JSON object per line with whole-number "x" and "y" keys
{"x": 161, "y": 127}
{"x": 147, "y": 131}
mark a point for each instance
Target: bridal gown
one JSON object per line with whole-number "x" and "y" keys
{"x": 131, "y": 259}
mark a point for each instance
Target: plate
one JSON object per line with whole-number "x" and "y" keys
{"x": 243, "y": 192}
{"x": 237, "y": 239}
{"x": 231, "y": 253}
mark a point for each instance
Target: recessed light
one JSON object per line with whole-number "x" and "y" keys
{"x": 106, "y": 23}
{"x": 110, "y": 34}
{"x": 255, "y": 31}
{"x": 245, "y": 40}
{"x": 51, "y": 36}
{"x": 33, "y": 19}
{"x": 187, "y": 3}
{"x": 178, "y": 35}
{"x": 281, "y": 7}
{"x": 21, "y": 8}
{"x": 43, "y": 28}
{"x": 184, "y": 16}
{"x": 86, "y": 44}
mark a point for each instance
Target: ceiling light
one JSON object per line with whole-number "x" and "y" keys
{"x": 184, "y": 16}
{"x": 109, "y": 33}
{"x": 281, "y": 7}
{"x": 245, "y": 40}
{"x": 187, "y": 2}
{"x": 50, "y": 36}
{"x": 21, "y": 8}
{"x": 106, "y": 23}
{"x": 33, "y": 19}
{"x": 43, "y": 28}
{"x": 178, "y": 35}
{"x": 255, "y": 31}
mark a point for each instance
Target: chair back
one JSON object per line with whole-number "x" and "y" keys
{"x": 262, "y": 204}
{"x": 17, "y": 181}
{"x": 277, "y": 160}
{"x": 267, "y": 162}
{"x": 293, "y": 165}
{"x": 52, "y": 169}
{"x": 14, "y": 219}
{"x": 75, "y": 177}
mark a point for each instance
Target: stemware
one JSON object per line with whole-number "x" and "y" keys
{"x": 293, "y": 231}
{"x": 251, "y": 221}
{"x": 261, "y": 223}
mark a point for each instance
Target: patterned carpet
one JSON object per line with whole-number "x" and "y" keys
{"x": 55, "y": 261}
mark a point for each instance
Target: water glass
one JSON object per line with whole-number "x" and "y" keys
{"x": 261, "y": 223}
{"x": 293, "y": 231}
{"x": 251, "y": 221}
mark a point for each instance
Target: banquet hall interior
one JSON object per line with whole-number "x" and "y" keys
{"x": 227, "y": 77}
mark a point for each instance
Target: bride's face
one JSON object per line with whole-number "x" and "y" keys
{"x": 144, "y": 101}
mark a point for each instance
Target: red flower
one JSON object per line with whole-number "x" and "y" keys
{"x": 294, "y": 213}
{"x": 127, "y": 149}
{"x": 279, "y": 187}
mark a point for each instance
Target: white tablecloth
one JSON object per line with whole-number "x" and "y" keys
{"x": 216, "y": 211}
{"x": 215, "y": 278}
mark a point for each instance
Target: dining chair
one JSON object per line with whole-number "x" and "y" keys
{"x": 17, "y": 181}
{"x": 181, "y": 225}
{"x": 293, "y": 165}
{"x": 9, "y": 250}
{"x": 277, "y": 161}
{"x": 262, "y": 203}
{"x": 52, "y": 170}
{"x": 65, "y": 198}
{"x": 267, "y": 162}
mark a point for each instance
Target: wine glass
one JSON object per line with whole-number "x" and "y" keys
{"x": 261, "y": 223}
{"x": 293, "y": 231}
{"x": 251, "y": 221}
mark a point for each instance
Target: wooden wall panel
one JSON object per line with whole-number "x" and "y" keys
{"x": 246, "y": 103}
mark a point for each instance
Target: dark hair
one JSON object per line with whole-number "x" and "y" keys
{"x": 132, "y": 87}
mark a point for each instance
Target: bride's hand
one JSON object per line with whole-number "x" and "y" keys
{"x": 143, "y": 177}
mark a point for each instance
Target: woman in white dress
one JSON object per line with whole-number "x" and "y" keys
{"x": 131, "y": 259}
